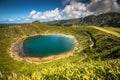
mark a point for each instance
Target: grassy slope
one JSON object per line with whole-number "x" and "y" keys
{"x": 113, "y": 31}
{"x": 102, "y": 62}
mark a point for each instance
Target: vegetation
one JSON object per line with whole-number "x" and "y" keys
{"x": 7, "y": 25}
{"x": 101, "y": 62}
{"x": 106, "y": 19}
{"x": 113, "y": 29}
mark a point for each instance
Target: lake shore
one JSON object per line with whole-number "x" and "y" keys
{"x": 17, "y": 53}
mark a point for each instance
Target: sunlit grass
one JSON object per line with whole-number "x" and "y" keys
{"x": 99, "y": 63}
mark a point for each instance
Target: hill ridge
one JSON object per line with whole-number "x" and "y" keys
{"x": 106, "y": 19}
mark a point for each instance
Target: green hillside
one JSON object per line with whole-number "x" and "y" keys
{"x": 97, "y": 56}
{"x": 106, "y": 19}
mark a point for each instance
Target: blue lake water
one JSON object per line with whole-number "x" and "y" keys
{"x": 43, "y": 46}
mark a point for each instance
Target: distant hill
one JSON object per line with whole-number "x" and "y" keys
{"x": 106, "y": 19}
{"x": 7, "y": 25}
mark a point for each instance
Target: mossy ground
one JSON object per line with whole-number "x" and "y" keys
{"x": 101, "y": 62}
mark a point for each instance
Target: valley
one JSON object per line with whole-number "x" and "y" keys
{"x": 99, "y": 62}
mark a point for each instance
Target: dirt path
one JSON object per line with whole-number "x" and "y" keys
{"x": 107, "y": 31}
{"x": 92, "y": 39}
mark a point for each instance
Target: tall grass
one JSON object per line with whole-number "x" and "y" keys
{"x": 99, "y": 63}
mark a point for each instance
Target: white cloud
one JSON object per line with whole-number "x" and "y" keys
{"x": 14, "y": 19}
{"x": 11, "y": 20}
{"x": 53, "y": 14}
{"x": 32, "y": 13}
{"x": 18, "y": 19}
{"x": 103, "y": 6}
{"x": 48, "y": 15}
{"x": 36, "y": 16}
{"x": 76, "y": 10}
{"x": 72, "y": 9}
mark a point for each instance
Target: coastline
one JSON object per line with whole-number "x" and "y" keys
{"x": 16, "y": 51}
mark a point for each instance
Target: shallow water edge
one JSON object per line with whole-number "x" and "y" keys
{"x": 16, "y": 51}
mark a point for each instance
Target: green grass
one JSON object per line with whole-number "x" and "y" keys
{"x": 113, "y": 29}
{"x": 101, "y": 62}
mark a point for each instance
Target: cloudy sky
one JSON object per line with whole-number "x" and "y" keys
{"x": 22, "y": 11}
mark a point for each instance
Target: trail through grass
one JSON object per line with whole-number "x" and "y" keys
{"x": 100, "y": 63}
{"x": 108, "y": 31}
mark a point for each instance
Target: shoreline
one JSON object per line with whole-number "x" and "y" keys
{"x": 17, "y": 53}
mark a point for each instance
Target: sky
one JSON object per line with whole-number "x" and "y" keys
{"x": 24, "y": 11}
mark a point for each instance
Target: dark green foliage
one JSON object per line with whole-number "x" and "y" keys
{"x": 99, "y": 63}
{"x": 113, "y": 53}
{"x": 7, "y": 25}
{"x": 106, "y": 19}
